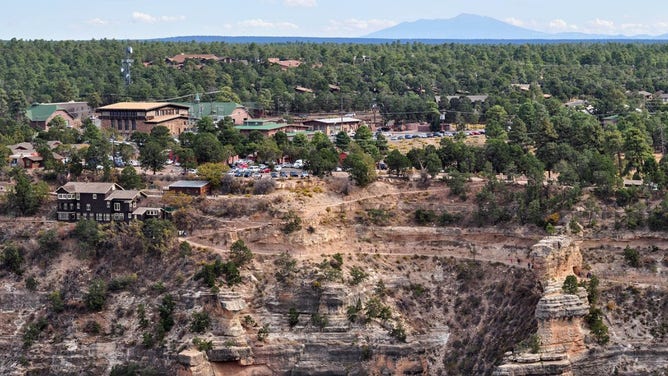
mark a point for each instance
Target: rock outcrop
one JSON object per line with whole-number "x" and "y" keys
{"x": 559, "y": 339}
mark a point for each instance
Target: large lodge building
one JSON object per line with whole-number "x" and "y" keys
{"x": 129, "y": 117}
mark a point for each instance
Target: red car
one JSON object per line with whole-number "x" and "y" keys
{"x": 265, "y": 170}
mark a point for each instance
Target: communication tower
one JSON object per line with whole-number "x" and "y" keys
{"x": 126, "y": 64}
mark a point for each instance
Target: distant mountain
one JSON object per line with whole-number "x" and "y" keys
{"x": 470, "y": 26}
{"x": 464, "y": 26}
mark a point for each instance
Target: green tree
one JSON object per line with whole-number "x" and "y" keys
{"x": 12, "y": 258}
{"x": 240, "y": 254}
{"x": 432, "y": 164}
{"x": 570, "y": 285}
{"x": 96, "y": 296}
{"x": 208, "y": 148}
{"x": 152, "y": 156}
{"x": 497, "y": 122}
{"x": 321, "y": 162}
{"x": 397, "y": 162}
{"x": 159, "y": 233}
{"x": 213, "y": 173}
{"x": 342, "y": 140}
{"x": 362, "y": 168}
{"x": 129, "y": 179}
{"x": 25, "y": 198}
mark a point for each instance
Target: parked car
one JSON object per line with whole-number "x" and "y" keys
{"x": 265, "y": 170}
{"x": 274, "y": 174}
{"x": 294, "y": 174}
{"x": 304, "y": 174}
{"x": 283, "y": 174}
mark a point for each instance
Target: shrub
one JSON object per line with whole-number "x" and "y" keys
{"x": 398, "y": 332}
{"x": 202, "y": 344}
{"x": 598, "y": 329}
{"x": 353, "y": 311}
{"x": 286, "y": 267}
{"x": 357, "y": 275}
{"x": 92, "y": 327}
{"x": 632, "y": 257}
{"x": 32, "y": 332}
{"x": 263, "y": 333}
{"x": 200, "y": 322}
{"x": 12, "y": 258}
{"x": 141, "y": 315}
{"x": 57, "y": 304}
{"x": 319, "y": 320}
{"x": 293, "y": 317}
{"x": 123, "y": 282}
{"x": 424, "y": 217}
{"x": 292, "y": 223}
{"x": 570, "y": 285}
{"x": 166, "y": 312}
{"x": 96, "y": 296}
{"x": 32, "y": 283}
{"x": 264, "y": 186}
{"x": 48, "y": 242}
{"x": 240, "y": 254}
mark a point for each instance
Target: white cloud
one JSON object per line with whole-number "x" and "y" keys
{"x": 300, "y": 3}
{"x": 261, "y": 24}
{"x": 515, "y": 21}
{"x": 143, "y": 17}
{"x": 356, "y": 25}
{"x": 560, "y": 25}
{"x": 97, "y": 21}
{"x": 147, "y": 18}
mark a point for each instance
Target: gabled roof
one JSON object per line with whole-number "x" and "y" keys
{"x": 143, "y": 209}
{"x": 139, "y": 106}
{"x": 40, "y": 112}
{"x": 123, "y": 195}
{"x": 99, "y": 188}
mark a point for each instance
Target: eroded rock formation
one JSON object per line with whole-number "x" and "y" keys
{"x": 559, "y": 339}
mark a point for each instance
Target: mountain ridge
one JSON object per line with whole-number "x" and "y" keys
{"x": 470, "y": 26}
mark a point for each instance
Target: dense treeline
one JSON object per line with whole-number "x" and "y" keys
{"x": 401, "y": 79}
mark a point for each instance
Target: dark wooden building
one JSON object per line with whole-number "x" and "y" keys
{"x": 102, "y": 202}
{"x": 190, "y": 187}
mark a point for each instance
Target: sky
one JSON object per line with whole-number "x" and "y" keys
{"x": 143, "y": 19}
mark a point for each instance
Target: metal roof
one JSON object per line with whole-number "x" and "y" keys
{"x": 76, "y": 187}
{"x": 189, "y": 184}
{"x": 135, "y": 106}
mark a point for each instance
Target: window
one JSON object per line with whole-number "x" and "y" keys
{"x": 78, "y": 196}
{"x": 117, "y": 206}
{"x": 87, "y": 207}
{"x": 118, "y": 217}
{"x": 63, "y": 216}
{"x": 107, "y": 217}
{"x": 78, "y": 206}
{"x": 94, "y": 196}
{"x": 108, "y": 204}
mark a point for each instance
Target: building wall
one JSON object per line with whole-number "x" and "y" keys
{"x": 240, "y": 115}
{"x": 128, "y": 121}
{"x": 191, "y": 191}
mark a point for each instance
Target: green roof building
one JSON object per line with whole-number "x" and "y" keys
{"x": 217, "y": 111}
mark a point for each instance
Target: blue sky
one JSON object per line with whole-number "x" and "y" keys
{"x": 137, "y": 19}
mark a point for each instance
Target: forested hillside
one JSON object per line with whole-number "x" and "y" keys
{"x": 401, "y": 79}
